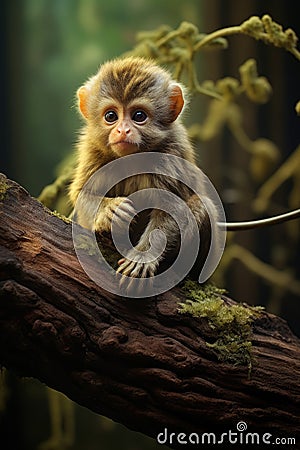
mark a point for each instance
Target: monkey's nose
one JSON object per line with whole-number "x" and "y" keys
{"x": 124, "y": 129}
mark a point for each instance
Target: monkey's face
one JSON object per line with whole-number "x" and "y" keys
{"x": 130, "y": 106}
{"x": 124, "y": 126}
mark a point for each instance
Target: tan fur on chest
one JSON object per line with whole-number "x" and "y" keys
{"x": 133, "y": 184}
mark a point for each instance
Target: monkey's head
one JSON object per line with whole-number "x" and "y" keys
{"x": 130, "y": 105}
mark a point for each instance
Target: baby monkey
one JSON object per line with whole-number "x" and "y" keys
{"x": 132, "y": 105}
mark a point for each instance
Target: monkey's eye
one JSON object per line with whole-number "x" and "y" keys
{"x": 110, "y": 116}
{"x": 139, "y": 116}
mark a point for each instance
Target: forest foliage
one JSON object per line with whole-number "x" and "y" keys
{"x": 272, "y": 172}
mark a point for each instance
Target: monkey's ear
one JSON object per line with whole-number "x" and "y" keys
{"x": 176, "y": 101}
{"x": 82, "y": 94}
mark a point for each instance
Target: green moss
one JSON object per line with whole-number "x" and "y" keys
{"x": 3, "y": 188}
{"x": 61, "y": 216}
{"x": 89, "y": 246}
{"x": 86, "y": 243}
{"x": 232, "y": 324}
{"x": 110, "y": 256}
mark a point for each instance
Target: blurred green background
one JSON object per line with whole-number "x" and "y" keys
{"x": 53, "y": 46}
{"x": 49, "y": 48}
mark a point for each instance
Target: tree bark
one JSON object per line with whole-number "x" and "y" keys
{"x": 138, "y": 362}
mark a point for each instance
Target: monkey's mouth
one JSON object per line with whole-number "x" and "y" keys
{"x": 124, "y": 146}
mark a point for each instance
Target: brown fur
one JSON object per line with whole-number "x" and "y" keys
{"x": 123, "y": 86}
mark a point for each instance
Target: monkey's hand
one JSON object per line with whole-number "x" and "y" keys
{"x": 120, "y": 209}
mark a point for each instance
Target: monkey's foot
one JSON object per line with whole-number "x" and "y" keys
{"x": 136, "y": 268}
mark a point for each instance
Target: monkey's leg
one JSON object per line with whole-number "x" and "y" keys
{"x": 143, "y": 260}
{"x": 149, "y": 256}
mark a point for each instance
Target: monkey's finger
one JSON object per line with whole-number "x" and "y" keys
{"x": 148, "y": 271}
{"x": 123, "y": 216}
{"x": 126, "y": 209}
{"x": 133, "y": 284}
{"x": 123, "y": 204}
{"x": 144, "y": 279}
{"x": 126, "y": 200}
{"x": 123, "y": 283}
{"x": 129, "y": 284}
{"x": 137, "y": 271}
{"x": 121, "y": 261}
{"x": 126, "y": 282}
{"x": 127, "y": 268}
{"x": 127, "y": 205}
{"x": 141, "y": 285}
{"x": 139, "y": 274}
{"x": 124, "y": 267}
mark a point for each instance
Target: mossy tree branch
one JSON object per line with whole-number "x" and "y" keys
{"x": 138, "y": 362}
